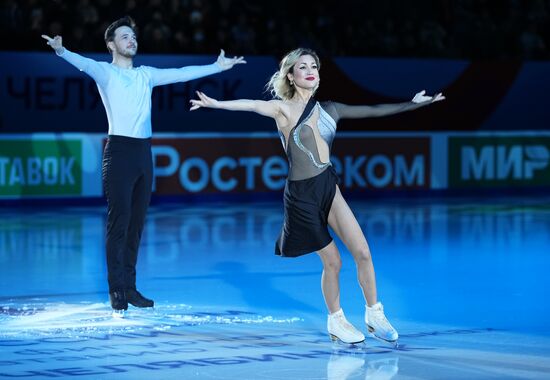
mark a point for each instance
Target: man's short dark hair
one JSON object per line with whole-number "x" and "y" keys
{"x": 110, "y": 31}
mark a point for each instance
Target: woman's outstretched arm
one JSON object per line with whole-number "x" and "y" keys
{"x": 346, "y": 111}
{"x": 271, "y": 108}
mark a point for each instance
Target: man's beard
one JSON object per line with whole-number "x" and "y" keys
{"x": 127, "y": 53}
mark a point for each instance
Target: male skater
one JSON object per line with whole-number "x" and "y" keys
{"x": 127, "y": 161}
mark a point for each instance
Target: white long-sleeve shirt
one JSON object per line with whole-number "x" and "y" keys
{"x": 126, "y": 93}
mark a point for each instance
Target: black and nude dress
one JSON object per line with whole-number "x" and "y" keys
{"x": 311, "y": 183}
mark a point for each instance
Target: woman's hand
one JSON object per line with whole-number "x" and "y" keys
{"x": 422, "y": 98}
{"x": 203, "y": 101}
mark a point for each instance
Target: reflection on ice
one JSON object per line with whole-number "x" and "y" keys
{"x": 62, "y": 319}
{"x": 343, "y": 367}
{"x": 383, "y": 368}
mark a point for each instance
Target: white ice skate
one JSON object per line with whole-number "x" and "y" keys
{"x": 340, "y": 329}
{"x": 378, "y": 325}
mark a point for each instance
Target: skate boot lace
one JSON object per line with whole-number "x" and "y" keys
{"x": 378, "y": 318}
{"x": 344, "y": 323}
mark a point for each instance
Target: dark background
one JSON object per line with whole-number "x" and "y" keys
{"x": 458, "y": 29}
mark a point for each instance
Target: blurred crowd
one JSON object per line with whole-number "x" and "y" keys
{"x": 457, "y": 29}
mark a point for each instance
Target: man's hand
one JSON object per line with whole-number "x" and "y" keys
{"x": 56, "y": 43}
{"x": 227, "y": 63}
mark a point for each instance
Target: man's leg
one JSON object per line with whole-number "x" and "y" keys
{"x": 141, "y": 197}
{"x": 117, "y": 184}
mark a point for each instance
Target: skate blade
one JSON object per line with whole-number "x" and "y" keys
{"x": 119, "y": 313}
{"x": 334, "y": 338}
{"x": 394, "y": 343}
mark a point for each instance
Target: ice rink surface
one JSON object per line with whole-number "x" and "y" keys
{"x": 463, "y": 280}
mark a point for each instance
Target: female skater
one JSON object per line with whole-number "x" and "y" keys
{"x": 312, "y": 199}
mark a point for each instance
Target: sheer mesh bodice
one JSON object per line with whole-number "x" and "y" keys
{"x": 309, "y": 143}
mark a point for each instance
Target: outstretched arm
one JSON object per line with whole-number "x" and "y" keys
{"x": 356, "y": 112}
{"x": 270, "y": 108}
{"x": 93, "y": 68}
{"x": 167, "y": 76}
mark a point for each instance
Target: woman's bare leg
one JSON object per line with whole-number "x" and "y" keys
{"x": 330, "y": 284}
{"x": 344, "y": 223}
{"x": 337, "y": 325}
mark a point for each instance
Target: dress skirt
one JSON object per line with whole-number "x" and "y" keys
{"x": 307, "y": 204}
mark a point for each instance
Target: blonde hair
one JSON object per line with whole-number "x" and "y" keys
{"x": 279, "y": 84}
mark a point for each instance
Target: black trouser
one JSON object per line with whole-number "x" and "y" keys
{"x": 127, "y": 182}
